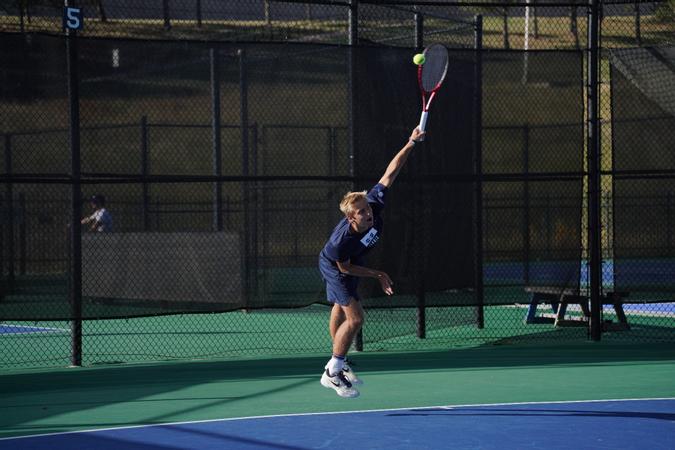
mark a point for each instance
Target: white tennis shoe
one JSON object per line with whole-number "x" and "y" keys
{"x": 340, "y": 383}
{"x": 350, "y": 374}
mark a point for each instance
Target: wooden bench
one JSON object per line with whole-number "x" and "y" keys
{"x": 559, "y": 299}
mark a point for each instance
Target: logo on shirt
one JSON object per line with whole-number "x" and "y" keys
{"x": 370, "y": 238}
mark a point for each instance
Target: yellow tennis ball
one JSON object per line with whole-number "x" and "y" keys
{"x": 419, "y": 59}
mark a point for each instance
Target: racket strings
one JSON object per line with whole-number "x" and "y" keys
{"x": 435, "y": 67}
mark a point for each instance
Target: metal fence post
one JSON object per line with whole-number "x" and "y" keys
{"x": 158, "y": 205}
{"x": 421, "y": 289}
{"x": 420, "y": 238}
{"x": 166, "y": 14}
{"x": 9, "y": 197}
{"x": 267, "y": 13}
{"x": 353, "y": 40}
{"x": 22, "y": 233}
{"x": 145, "y": 171}
{"x": 669, "y": 224}
{"x": 419, "y": 30}
{"x": 265, "y": 201}
{"x": 76, "y": 204}
{"x": 505, "y": 32}
{"x": 332, "y": 161}
{"x": 353, "y": 22}
{"x": 549, "y": 229}
{"x": 253, "y": 147}
{"x": 216, "y": 136}
{"x": 243, "y": 124}
{"x": 2, "y": 244}
{"x": 526, "y": 205}
{"x": 21, "y": 20}
{"x": 593, "y": 160}
{"x": 478, "y": 172}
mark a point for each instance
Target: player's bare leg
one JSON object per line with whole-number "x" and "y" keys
{"x": 334, "y": 376}
{"x": 337, "y": 316}
{"x": 347, "y": 330}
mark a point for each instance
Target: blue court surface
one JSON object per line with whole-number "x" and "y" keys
{"x": 24, "y": 329}
{"x": 649, "y": 309}
{"x": 607, "y": 424}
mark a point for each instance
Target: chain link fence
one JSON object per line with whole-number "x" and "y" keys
{"x": 508, "y": 24}
{"x": 223, "y": 139}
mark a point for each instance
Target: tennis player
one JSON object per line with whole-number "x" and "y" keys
{"x": 100, "y": 220}
{"x": 342, "y": 264}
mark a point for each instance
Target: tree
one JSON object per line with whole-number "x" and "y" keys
{"x": 101, "y": 11}
{"x": 505, "y": 16}
{"x": 665, "y": 12}
{"x": 574, "y": 25}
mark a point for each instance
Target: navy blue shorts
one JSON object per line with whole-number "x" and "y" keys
{"x": 339, "y": 287}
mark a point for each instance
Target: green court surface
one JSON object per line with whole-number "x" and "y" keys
{"x": 283, "y": 332}
{"x": 188, "y": 367}
{"x": 57, "y": 400}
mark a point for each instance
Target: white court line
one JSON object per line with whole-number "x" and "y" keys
{"x": 609, "y": 310}
{"x": 364, "y": 411}
{"x": 32, "y": 329}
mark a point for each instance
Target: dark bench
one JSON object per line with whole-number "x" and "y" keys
{"x": 559, "y": 299}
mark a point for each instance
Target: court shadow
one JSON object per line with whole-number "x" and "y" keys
{"x": 231, "y": 441}
{"x": 87, "y": 441}
{"x": 103, "y": 391}
{"x": 154, "y": 440}
{"x": 518, "y": 412}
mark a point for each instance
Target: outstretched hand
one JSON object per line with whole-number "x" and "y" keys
{"x": 417, "y": 135}
{"x": 385, "y": 283}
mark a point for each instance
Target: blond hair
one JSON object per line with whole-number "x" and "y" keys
{"x": 347, "y": 202}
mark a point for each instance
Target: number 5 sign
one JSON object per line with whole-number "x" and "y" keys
{"x": 72, "y": 18}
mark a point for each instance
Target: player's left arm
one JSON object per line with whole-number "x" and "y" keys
{"x": 399, "y": 160}
{"x": 89, "y": 219}
{"x": 95, "y": 221}
{"x": 348, "y": 268}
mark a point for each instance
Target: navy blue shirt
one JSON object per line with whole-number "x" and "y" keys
{"x": 344, "y": 244}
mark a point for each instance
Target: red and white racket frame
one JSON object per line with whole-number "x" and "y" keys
{"x": 426, "y": 102}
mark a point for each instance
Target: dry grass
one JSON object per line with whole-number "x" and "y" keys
{"x": 553, "y": 32}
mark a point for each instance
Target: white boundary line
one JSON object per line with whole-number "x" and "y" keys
{"x": 364, "y": 411}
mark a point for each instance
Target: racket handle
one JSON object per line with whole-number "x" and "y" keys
{"x": 423, "y": 122}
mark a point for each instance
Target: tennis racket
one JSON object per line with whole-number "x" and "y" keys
{"x": 430, "y": 76}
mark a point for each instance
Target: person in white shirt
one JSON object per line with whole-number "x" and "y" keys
{"x": 100, "y": 220}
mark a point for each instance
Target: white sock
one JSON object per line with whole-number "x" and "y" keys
{"x": 335, "y": 365}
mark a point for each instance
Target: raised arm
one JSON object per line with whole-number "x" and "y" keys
{"x": 399, "y": 160}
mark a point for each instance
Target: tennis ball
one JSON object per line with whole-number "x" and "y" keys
{"x": 419, "y": 59}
